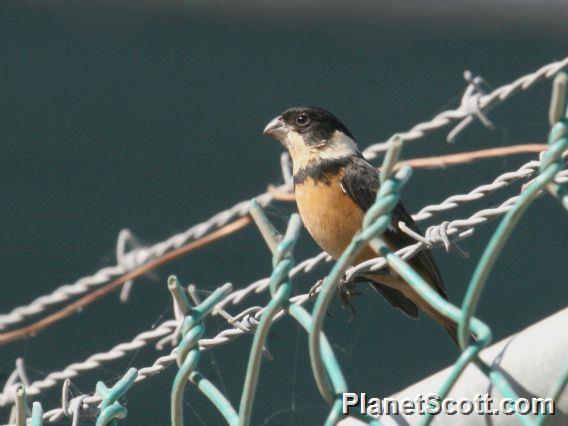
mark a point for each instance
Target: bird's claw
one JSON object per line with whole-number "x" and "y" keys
{"x": 346, "y": 291}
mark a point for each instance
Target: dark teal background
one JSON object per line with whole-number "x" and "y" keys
{"x": 153, "y": 121}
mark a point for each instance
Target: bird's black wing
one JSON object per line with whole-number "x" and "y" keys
{"x": 361, "y": 182}
{"x": 397, "y": 299}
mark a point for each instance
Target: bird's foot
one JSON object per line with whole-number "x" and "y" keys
{"x": 346, "y": 291}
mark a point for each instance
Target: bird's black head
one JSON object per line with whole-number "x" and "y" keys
{"x": 317, "y": 124}
{"x": 311, "y": 133}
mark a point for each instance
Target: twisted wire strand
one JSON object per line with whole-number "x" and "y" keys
{"x": 142, "y": 255}
{"x": 501, "y": 181}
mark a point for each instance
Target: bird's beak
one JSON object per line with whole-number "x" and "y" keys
{"x": 276, "y": 128}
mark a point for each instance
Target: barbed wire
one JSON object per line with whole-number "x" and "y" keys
{"x": 457, "y": 229}
{"x": 435, "y": 236}
{"x": 141, "y": 255}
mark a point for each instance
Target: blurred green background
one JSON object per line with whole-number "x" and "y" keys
{"x": 151, "y": 119}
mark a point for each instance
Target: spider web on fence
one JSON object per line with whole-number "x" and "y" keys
{"x": 184, "y": 333}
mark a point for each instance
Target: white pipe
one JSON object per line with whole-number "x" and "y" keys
{"x": 532, "y": 361}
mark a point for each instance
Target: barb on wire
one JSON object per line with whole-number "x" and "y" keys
{"x": 476, "y": 88}
{"x": 434, "y": 235}
{"x": 247, "y": 324}
{"x": 128, "y": 247}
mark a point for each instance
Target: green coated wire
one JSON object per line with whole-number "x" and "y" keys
{"x": 180, "y": 381}
{"x": 332, "y": 367}
{"x": 188, "y": 351}
{"x": 555, "y": 393}
{"x": 338, "y": 382}
{"x": 37, "y": 414}
{"x": 110, "y": 414}
{"x": 376, "y": 221}
{"x": 110, "y": 408}
{"x": 459, "y": 366}
{"x": 216, "y": 397}
{"x": 282, "y": 246}
{"x": 481, "y": 330}
{"x": 179, "y": 296}
{"x": 503, "y": 386}
{"x": 558, "y": 141}
{"x": 494, "y": 248}
{"x": 280, "y": 289}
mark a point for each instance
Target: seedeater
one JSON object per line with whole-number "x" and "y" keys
{"x": 334, "y": 186}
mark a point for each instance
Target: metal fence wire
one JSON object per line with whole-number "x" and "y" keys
{"x": 187, "y": 330}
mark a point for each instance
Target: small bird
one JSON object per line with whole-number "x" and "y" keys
{"x": 334, "y": 186}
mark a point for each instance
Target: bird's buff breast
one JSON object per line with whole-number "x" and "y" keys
{"x": 330, "y": 216}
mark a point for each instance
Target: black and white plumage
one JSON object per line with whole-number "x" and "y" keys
{"x": 334, "y": 186}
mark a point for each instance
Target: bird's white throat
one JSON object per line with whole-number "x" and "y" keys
{"x": 338, "y": 146}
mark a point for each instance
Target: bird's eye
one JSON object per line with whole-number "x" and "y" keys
{"x": 302, "y": 120}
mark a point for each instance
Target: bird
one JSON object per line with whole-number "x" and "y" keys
{"x": 334, "y": 185}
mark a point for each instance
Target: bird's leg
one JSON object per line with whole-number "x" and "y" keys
{"x": 346, "y": 291}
